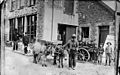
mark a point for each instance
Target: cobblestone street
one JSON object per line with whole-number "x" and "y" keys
{"x": 18, "y": 64}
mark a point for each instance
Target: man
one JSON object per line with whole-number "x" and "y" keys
{"x": 108, "y": 52}
{"x": 15, "y": 40}
{"x": 72, "y": 45}
{"x": 25, "y": 42}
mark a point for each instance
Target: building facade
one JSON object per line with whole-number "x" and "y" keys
{"x": 96, "y": 21}
{"x": 26, "y": 16}
{"x": 45, "y": 19}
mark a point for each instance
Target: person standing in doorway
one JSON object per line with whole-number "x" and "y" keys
{"x": 25, "y": 42}
{"x": 108, "y": 52}
{"x": 15, "y": 40}
{"x": 72, "y": 45}
{"x": 58, "y": 36}
{"x": 63, "y": 38}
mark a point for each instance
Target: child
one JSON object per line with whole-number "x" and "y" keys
{"x": 20, "y": 45}
{"x": 100, "y": 53}
{"x": 30, "y": 46}
{"x": 45, "y": 54}
{"x": 108, "y": 53}
{"x": 61, "y": 56}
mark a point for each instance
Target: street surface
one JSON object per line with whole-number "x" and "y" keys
{"x": 18, "y": 64}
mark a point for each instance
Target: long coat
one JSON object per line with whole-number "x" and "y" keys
{"x": 15, "y": 36}
{"x": 25, "y": 40}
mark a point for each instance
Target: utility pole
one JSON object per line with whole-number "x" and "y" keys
{"x": 2, "y": 37}
{"x": 117, "y": 25}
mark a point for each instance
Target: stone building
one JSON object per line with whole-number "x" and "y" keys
{"x": 96, "y": 21}
{"x": 41, "y": 18}
{"x": 45, "y": 19}
{"x": 26, "y": 16}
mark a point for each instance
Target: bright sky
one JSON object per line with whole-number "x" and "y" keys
{"x": 1, "y": 1}
{"x": 110, "y": 4}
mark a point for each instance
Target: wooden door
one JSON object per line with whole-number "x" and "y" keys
{"x": 69, "y": 31}
{"x": 103, "y": 32}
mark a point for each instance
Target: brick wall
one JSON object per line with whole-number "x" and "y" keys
{"x": 90, "y": 14}
{"x": 92, "y": 11}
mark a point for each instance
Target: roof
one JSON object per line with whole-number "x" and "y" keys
{"x": 107, "y": 7}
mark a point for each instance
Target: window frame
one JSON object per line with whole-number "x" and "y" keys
{"x": 12, "y": 28}
{"x": 21, "y": 25}
{"x": 85, "y": 32}
{"x": 31, "y": 25}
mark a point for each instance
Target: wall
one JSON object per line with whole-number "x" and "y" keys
{"x": 93, "y": 14}
{"x": 58, "y": 17}
{"x": 36, "y": 9}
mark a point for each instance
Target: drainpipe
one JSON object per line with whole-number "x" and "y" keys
{"x": 3, "y": 38}
{"x": 52, "y": 20}
{"x": 117, "y": 40}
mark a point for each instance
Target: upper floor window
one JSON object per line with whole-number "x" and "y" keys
{"x": 21, "y": 2}
{"x": 58, "y": 3}
{"x": 13, "y": 6}
{"x": 69, "y": 7}
{"x": 31, "y": 2}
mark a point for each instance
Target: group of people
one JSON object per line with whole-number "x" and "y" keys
{"x": 16, "y": 37}
{"x": 72, "y": 47}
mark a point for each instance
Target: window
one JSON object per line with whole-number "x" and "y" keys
{"x": 12, "y": 28}
{"x": 85, "y": 32}
{"x": 21, "y": 26}
{"x": 69, "y": 7}
{"x": 31, "y": 26}
{"x": 58, "y": 3}
{"x": 13, "y": 6}
{"x": 31, "y": 2}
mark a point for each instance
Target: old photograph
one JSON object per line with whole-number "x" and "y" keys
{"x": 60, "y": 37}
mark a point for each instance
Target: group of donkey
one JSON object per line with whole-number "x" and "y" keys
{"x": 43, "y": 49}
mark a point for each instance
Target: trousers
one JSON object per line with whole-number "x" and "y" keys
{"x": 108, "y": 58}
{"x": 25, "y": 49}
{"x": 72, "y": 60}
{"x": 15, "y": 45}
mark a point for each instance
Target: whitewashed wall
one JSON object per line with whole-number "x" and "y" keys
{"x": 58, "y": 18}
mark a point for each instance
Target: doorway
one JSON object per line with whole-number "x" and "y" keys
{"x": 103, "y": 32}
{"x": 66, "y": 31}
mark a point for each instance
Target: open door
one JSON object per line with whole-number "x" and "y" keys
{"x": 104, "y": 31}
{"x": 69, "y": 31}
{"x": 66, "y": 32}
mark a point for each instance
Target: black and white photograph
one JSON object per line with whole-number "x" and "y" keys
{"x": 60, "y": 37}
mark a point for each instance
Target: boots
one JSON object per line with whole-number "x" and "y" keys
{"x": 106, "y": 63}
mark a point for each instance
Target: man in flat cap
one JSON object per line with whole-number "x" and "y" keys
{"x": 72, "y": 49}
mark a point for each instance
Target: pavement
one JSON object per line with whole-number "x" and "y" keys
{"x": 18, "y": 64}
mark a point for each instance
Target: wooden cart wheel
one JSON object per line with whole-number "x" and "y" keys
{"x": 83, "y": 54}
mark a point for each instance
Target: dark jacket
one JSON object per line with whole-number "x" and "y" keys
{"x": 25, "y": 40}
{"x": 72, "y": 45}
{"x": 15, "y": 36}
{"x": 101, "y": 50}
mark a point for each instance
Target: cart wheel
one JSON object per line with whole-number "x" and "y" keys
{"x": 83, "y": 54}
